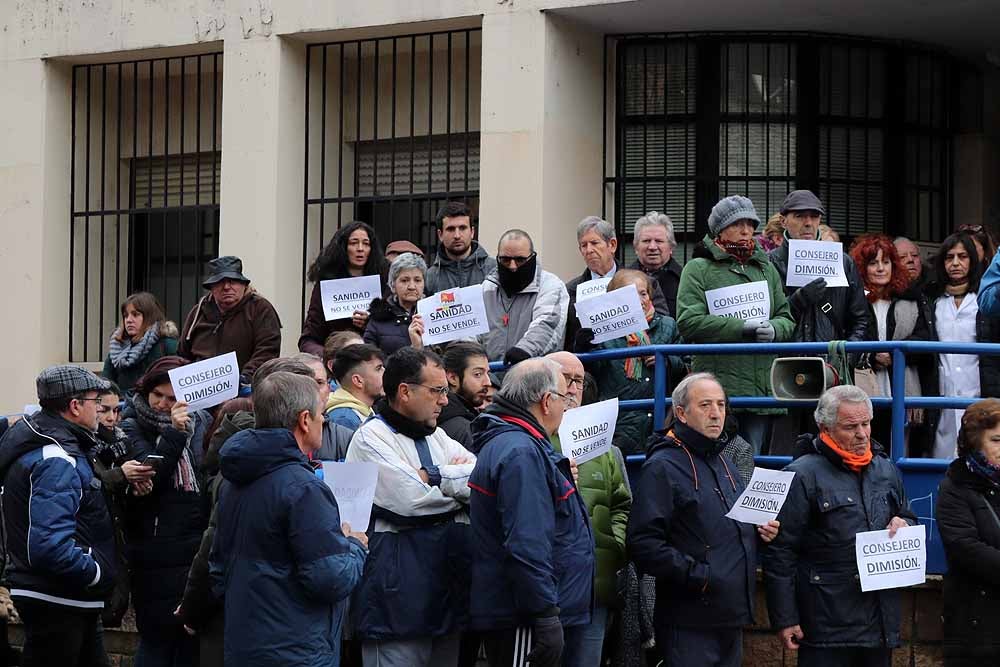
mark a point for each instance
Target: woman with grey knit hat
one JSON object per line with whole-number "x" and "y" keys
{"x": 730, "y": 293}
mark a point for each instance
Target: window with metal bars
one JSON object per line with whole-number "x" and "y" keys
{"x": 392, "y": 132}
{"x": 144, "y": 193}
{"x": 700, "y": 116}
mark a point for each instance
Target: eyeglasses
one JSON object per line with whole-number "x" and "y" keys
{"x": 440, "y": 391}
{"x": 573, "y": 381}
{"x": 567, "y": 400}
{"x": 78, "y": 398}
{"x": 519, "y": 261}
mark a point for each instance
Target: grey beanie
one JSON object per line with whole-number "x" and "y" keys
{"x": 730, "y": 210}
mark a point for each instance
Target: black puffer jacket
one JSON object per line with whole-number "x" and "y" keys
{"x": 704, "y": 564}
{"x": 388, "y": 325}
{"x": 843, "y": 315}
{"x": 456, "y": 419}
{"x": 810, "y": 568}
{"x": 967, "y": 510}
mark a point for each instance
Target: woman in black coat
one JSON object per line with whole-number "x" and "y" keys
{"x": 968, "y": 507}
{"x": 163, "y": 528}
{"x": 393, "y": 323}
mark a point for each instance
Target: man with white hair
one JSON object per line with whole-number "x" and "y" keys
{"x": 705, "y": 564}
{"x": 844, "y": 485}
{"x": 533, "y": 560}
{"x": 653, "y": 241}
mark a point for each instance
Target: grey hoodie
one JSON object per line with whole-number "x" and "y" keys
{"x": 446, "y": 273}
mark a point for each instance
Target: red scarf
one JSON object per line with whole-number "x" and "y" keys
{"x": 855, "y": 462}
{"x": 741, "y": 251}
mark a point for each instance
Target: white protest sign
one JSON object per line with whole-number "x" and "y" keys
{"x": 885, "y": 562}
{"x": 452, "y": 314}
{"x": 586, "y": 432}
{"x": 761, "y": 501}
{"x": 353, "y": 485}
{"x": 595, "y": 287}
{"x": 344, "y": 296}
{"x": 809, "y": 260}
{"x": 742, "y": 302}
{"x": 206, "y": 383}
{"x": 612, "y": 314}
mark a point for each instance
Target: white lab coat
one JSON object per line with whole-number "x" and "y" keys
{"x": 958, "y": 373}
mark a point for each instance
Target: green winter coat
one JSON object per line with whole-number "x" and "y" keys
{"x": 634, "y": 426}
{"x": 712, "y": 268}
{"x": 609, "y": 500}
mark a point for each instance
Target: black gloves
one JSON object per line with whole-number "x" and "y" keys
{"x": 581, "y": 341}
{"x": 515, "y": 355}
{"x": 809, "y": 295}
{"x": 546, "y": 642}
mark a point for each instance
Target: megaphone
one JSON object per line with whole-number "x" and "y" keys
{"x": 801, "y": 378}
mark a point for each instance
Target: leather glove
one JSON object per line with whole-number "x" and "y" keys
{"x": 581, "y": 341}
{"x": 810, "y": 295}
{"x": 765, "y": 332}
{"x": 546, "y": 641}
{"x": 515, "y": 355}
{"x": 750, "y": 328}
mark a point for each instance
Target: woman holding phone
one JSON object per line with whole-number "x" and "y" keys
{"x": 164, "y": 527}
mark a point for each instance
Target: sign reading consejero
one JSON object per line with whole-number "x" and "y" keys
{"x": 206, "y": 383}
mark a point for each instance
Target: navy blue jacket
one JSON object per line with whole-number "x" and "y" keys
{"x": 279, "y": 559}
{"x": 811, "y": 568}
{"x": 704, "y": 563}
{"x": 533, "y": 549}
{"x": 59, "y": 534}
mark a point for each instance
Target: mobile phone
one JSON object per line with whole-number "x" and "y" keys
{"x": 153, "y": 460}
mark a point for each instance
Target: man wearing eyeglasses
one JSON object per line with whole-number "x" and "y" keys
{"x": 412, "y": 603}
{"x": 59, "y": 534}
{"x": 526, "y": 306}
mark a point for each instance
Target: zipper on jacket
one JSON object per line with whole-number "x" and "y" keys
{"x": 156, "y": 524}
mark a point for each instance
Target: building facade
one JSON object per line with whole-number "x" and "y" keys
{"x": 141, "y": 138}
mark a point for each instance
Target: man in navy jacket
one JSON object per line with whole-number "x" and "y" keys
{"x": 533, "y": 566}
{"x": 59, "y": 535}
{"x": 704, "y": 563}
{"x": 281, "y": 559}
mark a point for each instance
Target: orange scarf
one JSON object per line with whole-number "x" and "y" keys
{"x": 634, "y": 366}
{"x": 853, "y": 461}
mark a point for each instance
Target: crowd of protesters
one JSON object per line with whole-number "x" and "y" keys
{"x": 486, "y": 544}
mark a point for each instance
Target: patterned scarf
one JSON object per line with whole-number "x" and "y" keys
{"x": 855, "y": 462}
{"x": 978, "y": 465}
{"x": 125, "y": 354}
{"x": 184, "y": 475}
{"x": 741, "y": 251}
{"x": 634, "y": 366}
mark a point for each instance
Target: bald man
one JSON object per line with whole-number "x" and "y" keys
{"x": 602, "y": 483}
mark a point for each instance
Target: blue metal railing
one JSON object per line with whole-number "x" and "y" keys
{"x": 920, "y": 476}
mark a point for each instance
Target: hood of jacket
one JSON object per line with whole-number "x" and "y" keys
{"x": 37, "y": 431}
{"x": 491, "y": 423}
{"x": 383, "y": 310}
{"x": 345, "y": 399}
{"x": 253, "y": 453}
{"x": 457, "y": 407}
{"x": 231, "y": 425}
{"x": 476, "y": 257}
{"x": 708, "y": 249}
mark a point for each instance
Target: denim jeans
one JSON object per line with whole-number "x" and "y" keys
{"x": 583, "y": 643}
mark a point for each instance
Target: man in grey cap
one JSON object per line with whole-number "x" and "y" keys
{"x": 59, "y": 535}
{"x": 232, "y": 317}
{"x": 821, "y": 313}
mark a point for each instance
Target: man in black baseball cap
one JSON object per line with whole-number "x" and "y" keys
{"x": 60, "y": 538}
{"x": 821, "y": 313}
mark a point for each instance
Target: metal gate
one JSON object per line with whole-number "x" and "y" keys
{"x": 144, "y": 186}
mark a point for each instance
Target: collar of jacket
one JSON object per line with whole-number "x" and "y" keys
{"x": 671, "y": 266}
{"x": 699, "y": 443}
{"x": 213, "y": 313}
{"x": 476, "y": 255}
{"x": 707, "y": 249}
{"x": 514, "y": 414}
{"x": 383, "y": 310}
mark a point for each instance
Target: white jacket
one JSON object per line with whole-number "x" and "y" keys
{"x": 399, "y": 489}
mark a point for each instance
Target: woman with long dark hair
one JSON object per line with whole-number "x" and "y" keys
{"x": 353, "y": 251}
{"x": 957, "y": 319}
{"x": 896, "y": 311}
{"x": 143, "y": 336}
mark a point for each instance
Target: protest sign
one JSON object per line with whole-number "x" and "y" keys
{"x": 206, "y": 383}
{"x": 453, "y": 314}
{"x": 809, "y": 260}
{"x": 344, "y": 296}
{"x": 612, "y": 314}
{"x": 353, "y": 485}
{"x": 595, "y": 287}
{"x": 885, "y": 562}
{"x": 586, "y": 432}
{"x": 742, "y": 302}
{"x": 761, "y": 501}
